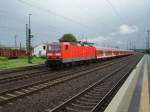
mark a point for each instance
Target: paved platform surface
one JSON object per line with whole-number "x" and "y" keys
{"x": 134, "y": 95}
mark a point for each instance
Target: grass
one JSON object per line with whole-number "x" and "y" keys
{"x": 19, "y": 62}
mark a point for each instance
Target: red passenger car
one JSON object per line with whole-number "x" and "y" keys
{"x": 103, "y": 53}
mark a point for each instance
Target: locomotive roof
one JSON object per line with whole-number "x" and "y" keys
{"x": 58, "y": 43}
{"x": 66, "y": 43}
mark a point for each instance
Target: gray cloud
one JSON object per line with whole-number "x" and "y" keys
{"x": 126, "y": 29}
{"x": 95, "y": 19}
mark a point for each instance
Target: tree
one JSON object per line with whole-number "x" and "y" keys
{"x": 68, "y": 38}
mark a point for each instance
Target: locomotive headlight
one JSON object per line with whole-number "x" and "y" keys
{"x": 57, "y": 54}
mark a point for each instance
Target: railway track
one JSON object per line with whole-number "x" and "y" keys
{"x": 21, "y": 69}
{"x": 40, "y": 72}
{"x": 41, "y": 77}
{"x": 20, "y": 72}
{"x": 96, "y": 96}
{"x": 19, "y": 92}
{"x": 21, "y": 76}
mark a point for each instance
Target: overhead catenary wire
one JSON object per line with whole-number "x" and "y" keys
{"x": 116, "y": 11}
{"x": 2, "y": 11}
{"x": 66, "y": 18}
{"x": 89, "y": 14}
{"x": 57, "y": 15}
{"x": 14, "y": 29}
{"x": 121, "y": 18}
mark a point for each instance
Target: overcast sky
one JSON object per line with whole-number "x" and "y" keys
{"x": 107, "y": 23}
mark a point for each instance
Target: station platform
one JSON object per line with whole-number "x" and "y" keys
{"x": 134, "y": 95}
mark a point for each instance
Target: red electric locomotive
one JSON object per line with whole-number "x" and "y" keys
{"x": 59, "y": 53}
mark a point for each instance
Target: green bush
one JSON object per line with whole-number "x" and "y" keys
{"x": 68, "y": 38}
{"x": 43, "y": 57}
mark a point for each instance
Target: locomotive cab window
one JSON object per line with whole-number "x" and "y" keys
{"x": 54, "y": 48}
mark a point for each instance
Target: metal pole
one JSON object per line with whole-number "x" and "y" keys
{"x": 28, "y": 40}
{"x": 29, "y": 57}
{"x": 127, "y": 45}
{"x": 30, "y": 21}
{"x": 130, "y": 45}
{"x": 148, "y": 39}
{"x": 146, "y": 43}
{"x": 27, "y": 37}
{"x": 20, "y": 45}
{"x": 82, "y": 37}
{"x": 15, "y": 41}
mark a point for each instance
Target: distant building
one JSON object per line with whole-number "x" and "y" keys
{"x": 39, "y": 50}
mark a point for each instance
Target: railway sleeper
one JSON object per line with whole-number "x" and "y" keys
{"x": 81, "y": 107}
{"x": 88, "y": 100}
{"x": 7, "y": 96}
{"x": 97, "y": 90}
{"x": 26, "y": 91}
{"x": 100, "y": 91}
{"x": 32, "y": 89}
{"x": 11, "y": 95}
{"x": 93, "y": 94}
{"x": 69, "y": 109}
{"x": 19, "y": 92}
{"x": 77, "y": 109}
{"x": 100, "y": 88}
{"x": 41, "y": 85}
{"x": 38, "y": 87}
{"x": 3, "y": 98}
{"x": 91, "y": 97}
{"x": 85, "y": 103}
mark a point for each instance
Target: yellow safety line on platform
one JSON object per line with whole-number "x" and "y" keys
{"x": 144, "y": 99}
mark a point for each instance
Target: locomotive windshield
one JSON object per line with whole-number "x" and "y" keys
{"x": 54, "y": 48}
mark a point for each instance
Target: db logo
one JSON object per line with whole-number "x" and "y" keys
{"x": 83, "y": 51}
